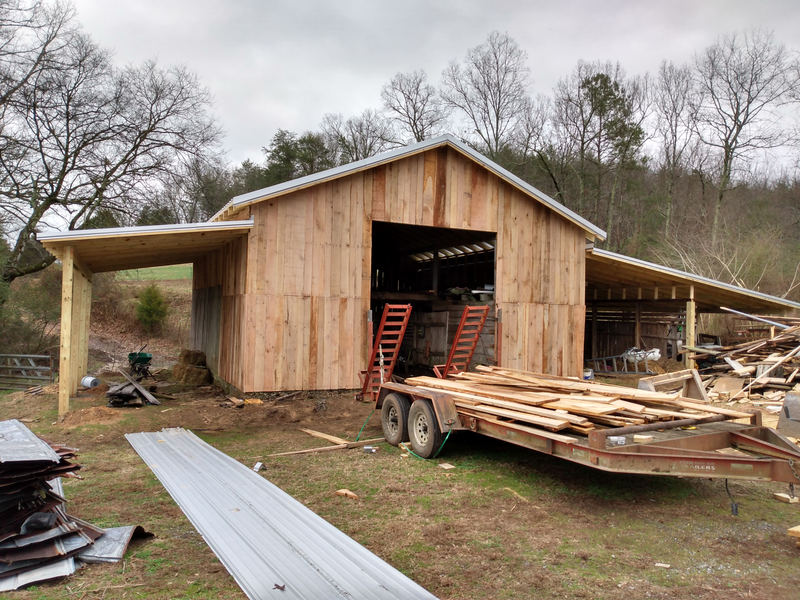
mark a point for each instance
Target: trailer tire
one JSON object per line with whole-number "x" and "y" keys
{"x": 424, "y": 433}
{"x": 394, "y": 418}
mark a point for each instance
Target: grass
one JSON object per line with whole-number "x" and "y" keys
{"x": 168, "y": 273}
{"x": 506, "y": 523}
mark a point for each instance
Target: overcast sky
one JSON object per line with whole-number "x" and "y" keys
{"x": 285, "y": 64}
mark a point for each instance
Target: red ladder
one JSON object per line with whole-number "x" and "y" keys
{"x": 386, "y": 349}
{"x": 465, "y": 342}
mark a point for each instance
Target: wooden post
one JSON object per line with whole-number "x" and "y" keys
{"x": 435, "y": 266}
{"x": 594, "y": 330}
{"x": 76, "y": 304}
{"x": 65, "y": 363}
{"x": 691, "y": 319}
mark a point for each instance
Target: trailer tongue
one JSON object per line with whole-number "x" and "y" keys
{"x": 711, "y": 447}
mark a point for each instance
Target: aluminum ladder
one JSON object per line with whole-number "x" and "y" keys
{"x": 466, "y": 340}
{"x": 385, "y": 350}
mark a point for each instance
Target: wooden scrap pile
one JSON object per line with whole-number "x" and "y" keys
{"x": 522, "y": 399}
{"x": 759, "y": 371}
{"x": 130, "y": 393}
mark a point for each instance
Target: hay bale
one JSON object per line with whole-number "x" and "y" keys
{"x": 192, "y": 374}
{"x": 192, "y": 357}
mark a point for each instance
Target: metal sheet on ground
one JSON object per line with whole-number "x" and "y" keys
{"x": 263, "y": 536}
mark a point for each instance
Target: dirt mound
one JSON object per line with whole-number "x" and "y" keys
{"x": 96, "y": 415}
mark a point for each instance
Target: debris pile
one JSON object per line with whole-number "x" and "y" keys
{"x": 522, "y": 399}
{"x": 759, "y": 372}
{"x": 38, "y": 539}
{"x": 130, "y": 393}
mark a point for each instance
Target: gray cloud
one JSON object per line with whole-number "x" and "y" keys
{"x": 284, "y": 65}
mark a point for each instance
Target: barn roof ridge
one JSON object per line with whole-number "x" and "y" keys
{"x": 238, "y": 202}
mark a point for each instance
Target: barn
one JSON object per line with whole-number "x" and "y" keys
{"x": 287, "y": 279}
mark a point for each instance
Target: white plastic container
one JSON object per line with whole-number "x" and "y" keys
{"x": 588, "y": 374}
{"x": 90, "y": 382}
{"x": 616, "y": 440}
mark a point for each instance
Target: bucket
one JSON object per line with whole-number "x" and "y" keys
{"x": 90, "y": 382}
{"x": 588, "y": 374}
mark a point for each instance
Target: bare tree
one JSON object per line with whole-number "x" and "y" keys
{"x": 31, "y": 35}
{"x": 671, "y": 100}
{"x": 742, "y": 81}
{"x": 358, "y": 137}
{"x": 88, "y": 136}
{"x": 414, "y": 105}
{"x": 599, "y": 117}
{"x": 491, "y": 90}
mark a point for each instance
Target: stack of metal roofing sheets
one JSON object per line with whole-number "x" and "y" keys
{"x": 38, "y": 539}
{"x": 272, "y": 545}
{"x": 35, "y": 531}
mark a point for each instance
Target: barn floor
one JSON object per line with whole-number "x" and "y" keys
{"x": 506, "y": 522}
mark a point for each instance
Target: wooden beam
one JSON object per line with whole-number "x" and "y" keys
{"x": 691, "y": 320}
{"x": 638, "y": 324}
{"x": 79, "y": 264}
{"x": 594, "y": 330}
{"x": 65, "y": 361}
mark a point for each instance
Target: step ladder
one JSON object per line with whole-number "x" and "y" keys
{"x": 467, "y": 335}
{"x": 385, "y": 350}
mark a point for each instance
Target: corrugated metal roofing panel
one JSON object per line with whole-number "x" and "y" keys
{"x": 19, "y": 444}
{"x": 262, "y": 535}
{"x": 77, "y": 234}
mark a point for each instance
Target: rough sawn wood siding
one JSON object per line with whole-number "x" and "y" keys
{"x": 295, "y": 291}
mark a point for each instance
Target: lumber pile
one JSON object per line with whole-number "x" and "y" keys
{"x": 759, "y": 372}
{"x": 552, "y": 406}
{"x": 130, "y": 393}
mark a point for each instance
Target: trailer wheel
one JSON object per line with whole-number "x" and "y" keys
{"x": 394, "y": 418}
{"x": 426, "y": 438}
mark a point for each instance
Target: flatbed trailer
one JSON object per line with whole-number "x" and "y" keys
{"x": 685, "y": 448}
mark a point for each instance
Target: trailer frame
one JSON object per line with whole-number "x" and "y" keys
{"x": 682, "y": 448}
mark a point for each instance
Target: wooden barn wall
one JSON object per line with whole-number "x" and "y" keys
{"x": 540, "y": 279}
{"x": 297, "y": 320}
{"x": 217, "y": 315}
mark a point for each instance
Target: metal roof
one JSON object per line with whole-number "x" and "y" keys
{"x": 609, "y": 270}
{"x": 239, "y": 202}
{"x": 121, "y": 248}
{"x": 19, "y": 444}
{"x": 262, "y": 535}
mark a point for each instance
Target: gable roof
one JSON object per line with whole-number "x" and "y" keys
{"x": 239, "y": 202}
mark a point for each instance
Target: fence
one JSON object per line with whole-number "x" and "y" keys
{"x": 21, "y": 371}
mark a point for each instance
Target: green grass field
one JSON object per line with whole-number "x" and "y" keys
{"x": 170, "y": 272}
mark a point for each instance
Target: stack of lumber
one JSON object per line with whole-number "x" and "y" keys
{"x": 130, "y": 393}
{"x": 550, "y": 403}
{"x": 760, "y": 370}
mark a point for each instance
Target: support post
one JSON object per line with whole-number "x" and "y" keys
{"x": 65, "y": 361}
{"x": 594, "y": 329}
{"x": 691, "y": 320}
{"x": 637, "y": 328}
{"x": 76, "y": 303}
{"x": 435, "y": 265}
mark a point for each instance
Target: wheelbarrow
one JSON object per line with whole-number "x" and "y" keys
{"x": 140, "y": 363}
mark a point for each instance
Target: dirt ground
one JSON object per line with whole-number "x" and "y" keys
{"x": 505, "y": 523}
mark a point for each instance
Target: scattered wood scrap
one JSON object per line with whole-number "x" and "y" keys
{"x": 753, "y": 371}
{"x": 130, "y": 393}
{"x": 552, "y": 406}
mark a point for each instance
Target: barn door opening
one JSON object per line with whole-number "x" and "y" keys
{"x": 438, "y": 271}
